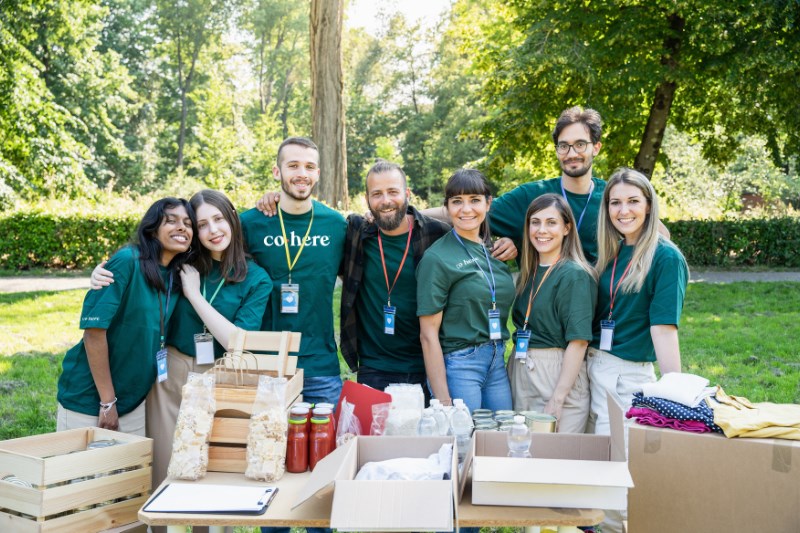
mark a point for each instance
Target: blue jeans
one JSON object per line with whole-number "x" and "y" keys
{"x": 380, "y": 379}
{"x": 322, "y": 389}
{"x": 477, "y": 375}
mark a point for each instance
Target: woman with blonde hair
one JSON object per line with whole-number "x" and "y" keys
{"x": 642, "y": 286}
{"x": 556, "y": 295}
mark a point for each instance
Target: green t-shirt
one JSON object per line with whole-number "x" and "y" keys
{"x": 562, "y": 310}
{"x": 659, "y": 302}
{"x": 128, "y": 310}
{"x": 401, "y": 352}
{"x": 507, "y": 214}
{"x": 242, "y": 304}
{"x": 315, "y": 272}
{"x": 448, "y": 280}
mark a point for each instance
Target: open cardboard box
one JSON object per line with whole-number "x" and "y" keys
{"x": 384, "y": 505}
{"x": 707, "y": 482}
{"x": 566, "y": 470}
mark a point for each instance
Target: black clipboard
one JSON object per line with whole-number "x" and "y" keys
{"x": 202, "y": 498}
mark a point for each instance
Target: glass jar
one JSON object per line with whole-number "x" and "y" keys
{"x": 322, "y": 440}
{"x": 297, "y": 446}
{"x": 327, "y": 412}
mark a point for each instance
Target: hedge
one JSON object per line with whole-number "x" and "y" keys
{"x": 53, "y": 241}
{"x": 47, "y": 240}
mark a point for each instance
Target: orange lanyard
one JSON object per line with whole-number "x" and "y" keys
{"x": 400, "y": 268}
{"x": 533, "y": 294}
{"x": 613, "y": 292}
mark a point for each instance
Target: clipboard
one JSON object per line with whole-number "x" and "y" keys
{"x": 204, "y": 498}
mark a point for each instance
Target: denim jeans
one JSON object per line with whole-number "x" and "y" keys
{"x": 379, "y": 379}
{"x": 322, "y": 389}
{"x": 477, "y": 375}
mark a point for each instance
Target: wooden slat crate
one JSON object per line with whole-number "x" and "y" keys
{"x": 228, "y": 444}
{"x": 73, "y": 489}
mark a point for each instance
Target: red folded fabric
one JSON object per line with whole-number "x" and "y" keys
{"x": 649, "y": 417}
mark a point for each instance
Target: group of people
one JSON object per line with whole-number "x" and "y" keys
{"x": 426, "y": 295}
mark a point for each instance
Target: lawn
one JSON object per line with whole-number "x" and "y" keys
{"x": 740, "y": 335}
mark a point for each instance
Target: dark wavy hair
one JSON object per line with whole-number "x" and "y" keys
{"x": 470, "y": 181}
{"x": 150, "y": 247}
{"x": 234, "y": 260}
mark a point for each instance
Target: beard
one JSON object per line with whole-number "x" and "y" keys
{"x": 285, "y": 186}
{"x": 580, "y": 171}
{"x": 393, "y": 222}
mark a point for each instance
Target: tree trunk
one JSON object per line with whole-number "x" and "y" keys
{"x": 653, "y": 136}
{"x": 327, "y": 105}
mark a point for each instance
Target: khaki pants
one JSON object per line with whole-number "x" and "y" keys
{"x": 132, "y": 422}
{"x": 608, "y": 372}
{"x": 534, "y": 380}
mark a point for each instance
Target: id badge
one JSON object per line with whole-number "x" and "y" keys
{"x": 290, "y": 297}
{"x": 389, "y": 312}
{"x": 161, "y": 364}
{"x": 204, "y": 348}
{"x": 606, "y": 334}
{"x": 495, "y": 333}
{"x": 521, "y": 349}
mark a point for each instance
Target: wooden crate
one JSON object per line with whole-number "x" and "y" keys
{"x": 74, "y": 489}
{"x": 235, "y": 394}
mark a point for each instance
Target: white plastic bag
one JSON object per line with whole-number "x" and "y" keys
{"x": 193, "y": 428}
{"x": 266, "y": 440}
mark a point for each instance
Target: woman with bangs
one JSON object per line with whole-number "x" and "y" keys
{"x": 642, "y": 285}
{"x": 463, "y": 300}
{"x": 107, "y": 376}
{"x": 553, "y": 311}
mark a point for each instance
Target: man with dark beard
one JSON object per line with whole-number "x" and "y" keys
{"x": 379, "y": 325}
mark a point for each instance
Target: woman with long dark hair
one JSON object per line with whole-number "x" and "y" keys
{"x": 463, "y": 301}
{"x": 108, "y": 374}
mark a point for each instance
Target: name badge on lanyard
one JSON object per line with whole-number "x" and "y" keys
{"x": 204, "y": 348}
{"x": 521, "y": 348}
{"x": 161, "y": 365}
{"x": 606, "y": 334}
{"x": 161, "y": 354}
{"x": 290, "y": 297}
{"x": 495, "y": 333}
{"x": 389, "y": 313}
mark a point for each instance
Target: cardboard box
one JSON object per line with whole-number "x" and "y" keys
{"x": 707, "y": 482}
{"x": 384, "y": 505}
{"x": 566, "y": 470}
{"x": 74, "y": 489}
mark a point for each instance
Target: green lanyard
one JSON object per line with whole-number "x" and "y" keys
{"x": 289, "y": 261}
{"x": 211, "y": 301}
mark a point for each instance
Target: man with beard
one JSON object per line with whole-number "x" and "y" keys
{"x": 379, "y": 324}
{"x": 301, "y": 249}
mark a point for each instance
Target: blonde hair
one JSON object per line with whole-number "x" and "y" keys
{"x": 570, "y": 247}
{"x": 608, "y": 238}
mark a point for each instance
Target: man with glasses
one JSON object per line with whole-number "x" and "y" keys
{"x": 577, "y": 141}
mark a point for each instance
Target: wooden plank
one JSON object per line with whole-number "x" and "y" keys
{"x": 227, "y": 459}
{"x": 230, "y": 430}
{"x": 96, "y": 491}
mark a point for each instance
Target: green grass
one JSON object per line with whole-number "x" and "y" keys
{"x": 740, "y": 335}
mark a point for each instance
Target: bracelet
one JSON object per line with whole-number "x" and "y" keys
{"x": 106, "y": 407}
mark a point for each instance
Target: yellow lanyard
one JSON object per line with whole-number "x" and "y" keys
{"x": 532, "y": 294}
{"x": 289, "y": 261}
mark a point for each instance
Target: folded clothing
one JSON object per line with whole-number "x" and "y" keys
{"x": 738, "y": 417}
{"x": 688, "y": 389}
{"x": 648, "y": 417}
{"x": 678, "y": 411}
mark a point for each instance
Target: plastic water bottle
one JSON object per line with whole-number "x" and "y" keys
{"x": 442, "y": 423}
{"x": 519, "y": 438}
{"x": 427, "y": 424}
{"x": 461, "y": 426}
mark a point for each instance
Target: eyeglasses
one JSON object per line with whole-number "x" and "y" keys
{"x": 579, "y": 147}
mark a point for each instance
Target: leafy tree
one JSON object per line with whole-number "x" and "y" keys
{"x": 693, "y": 63}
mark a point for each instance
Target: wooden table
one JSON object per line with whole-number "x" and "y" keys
{"x": 316, "y": 511}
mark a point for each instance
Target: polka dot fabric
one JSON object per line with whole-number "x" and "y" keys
{"x": 701, "y": 413}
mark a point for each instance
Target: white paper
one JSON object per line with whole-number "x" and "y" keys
{"x": 207, "y": 498}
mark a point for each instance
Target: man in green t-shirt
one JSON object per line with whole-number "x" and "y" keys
{"x": 301, "y": 249}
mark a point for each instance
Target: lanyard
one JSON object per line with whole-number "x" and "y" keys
{"x": 532, "y": 294}
{"x": 492, "y": 284}
{"x": 161, "y": 312}
{"x": 585, "y": 207}
{"x": 612, "y": 292}
{"x": 221, "y": 283}
{"x": 289, "y": 261}
{"x": 399, "y": 269}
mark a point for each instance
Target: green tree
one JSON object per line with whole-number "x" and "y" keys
{"x": 692, "y": 63}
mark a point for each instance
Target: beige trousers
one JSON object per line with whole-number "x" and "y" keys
{"x": 534, "y": 380}
{"x": 132, "y": 422}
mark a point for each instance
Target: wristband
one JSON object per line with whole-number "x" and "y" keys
{"x": 106, "y": 407}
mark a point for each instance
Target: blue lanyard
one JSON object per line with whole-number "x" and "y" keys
{"x": 166, "y": 310}
{"x": 585, "y": 207}
{"x": 492, "y": 284}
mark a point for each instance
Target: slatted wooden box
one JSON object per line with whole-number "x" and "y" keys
{"x": 235, "y": 394}
{"x": 73, "y": 489}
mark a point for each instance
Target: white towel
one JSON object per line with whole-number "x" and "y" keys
{"x": 687, "y": 389}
